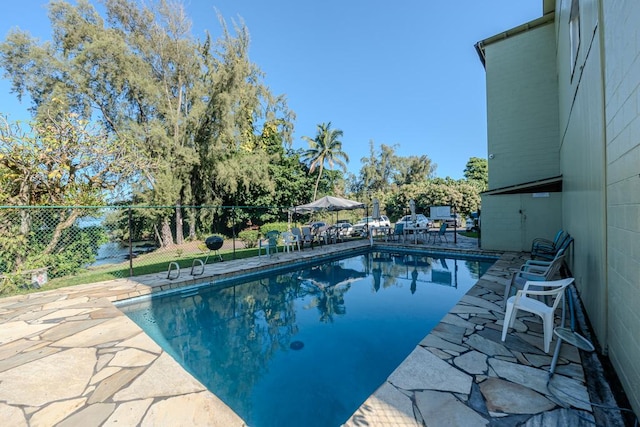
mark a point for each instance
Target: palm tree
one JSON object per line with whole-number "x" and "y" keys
{"x": 326, "y": 147}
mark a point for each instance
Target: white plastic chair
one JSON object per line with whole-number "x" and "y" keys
{"x": 296, "y": 232}
{"x": 533, "y": 272}
{"x": 522, "y": 301}
{"x": 290, "y": 241}
{"x": 308, "y": 236}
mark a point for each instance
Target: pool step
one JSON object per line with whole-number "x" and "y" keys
{"x": 188, "y": 293}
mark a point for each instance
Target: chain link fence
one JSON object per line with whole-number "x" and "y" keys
{"x": 82, "y": 244}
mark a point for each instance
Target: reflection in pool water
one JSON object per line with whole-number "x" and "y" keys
{"x": 307, "y": 346}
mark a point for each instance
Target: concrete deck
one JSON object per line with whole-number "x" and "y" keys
{"x": 69, "y": 357}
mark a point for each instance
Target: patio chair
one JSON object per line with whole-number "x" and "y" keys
{"x": 532, "y": 273}
{"x": 542, "y": 242}
{"x": 307, "y": 236}
{"x": 290, "y": 241}
{"x": 327, "y": 234}
{"x": 296, "y": 232}
{"x": 522, "y": 301}
{"x": 442, "y": 232}
{"x": 540, "y": 263}
{"x": 398, "y": 231}
{"x": 550, "y": 255}
{"x": 548, "y": 252}
{"x": 336, "y": 235}
{"x": 269, "y": 243}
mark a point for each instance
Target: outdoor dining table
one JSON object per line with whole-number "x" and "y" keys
{"x": 381, "y": 231}
{"x": 415, "y": 231}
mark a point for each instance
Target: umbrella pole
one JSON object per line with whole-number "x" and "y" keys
{"x": 367, "y": 215}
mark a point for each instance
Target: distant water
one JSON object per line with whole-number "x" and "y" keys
{"x": 114, "y": 252}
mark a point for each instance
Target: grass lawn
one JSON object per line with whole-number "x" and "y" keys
{"x": 143, "y": 264}
{"x": 472, "y": 234}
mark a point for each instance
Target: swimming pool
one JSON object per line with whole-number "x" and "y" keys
{"x": 307, "y": 345}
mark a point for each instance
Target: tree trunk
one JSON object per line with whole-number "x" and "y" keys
{"x": 167, "y": 237}
{"x": 57, "y": 232}
{"x": 179, "y": 229}
{"x": 25, "y": 229}
{"x": 25, "y": 222}
{"x": 315, "y": 190}
{"x": 158, "y": 236}
{"x": 192, "y": 224}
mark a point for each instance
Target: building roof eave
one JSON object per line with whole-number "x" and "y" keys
{"x": 543, "y": 20}
{"x": 546, "y": 185}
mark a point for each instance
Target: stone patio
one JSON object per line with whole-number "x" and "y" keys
{"x": 69, "y": 357}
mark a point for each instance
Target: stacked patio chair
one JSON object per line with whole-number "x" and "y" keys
{"x": 542, "y": 244}
{"x": 296, "y": 232}
{"x": 533, "y": 271}
{"x": 548, "y": 249}
{"x": 307, "y": 236}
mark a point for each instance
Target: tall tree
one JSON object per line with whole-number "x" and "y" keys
{"x": 326, "y": 147}
{"x": 236, "y": 154}
{"x": 477, "y": 172}
{"x": 459, "y": 194}
{"x": 378, "y": 169}
{"x": 384, "y": 168}
{"x": 191, "y": 108}
{"x": 414, "y": 169}
{"x": 63, "y": 162}
{"x": 135, "y": 70}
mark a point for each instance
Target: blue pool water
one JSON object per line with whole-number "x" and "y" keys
{"x": 307, "y": 346}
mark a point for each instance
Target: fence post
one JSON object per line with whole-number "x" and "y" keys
{"x": 478, "y": 228}
{"x": 233, "y": 229}
{"x": 455, "y": 225}
{"x": 130, "y": 244}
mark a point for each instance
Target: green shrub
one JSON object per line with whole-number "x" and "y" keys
{"x": 249, "y": 238}
{"x": 277, "y": 226}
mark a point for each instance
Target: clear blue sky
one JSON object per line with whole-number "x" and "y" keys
{"x": 402, "y": 72}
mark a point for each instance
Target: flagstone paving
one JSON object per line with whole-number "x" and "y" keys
{"x": 69, "y": 357}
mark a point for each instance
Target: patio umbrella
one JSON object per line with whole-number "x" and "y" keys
{"x": 376, "y": 209}
{"x": 412, "y": 208}
{"x": 328, "y": 203}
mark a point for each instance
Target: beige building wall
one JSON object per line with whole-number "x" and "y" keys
{"x": 620, "y": 29}
{"x": 597, "y": 152}
{"x": 510, "y": 222}
{"x": 600, "y": 162}
{"x": 522, "y": 117}
{"x": 523, "y": 136}
{"x": 583, "y": 161}
{"x": 500, "y": 223}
